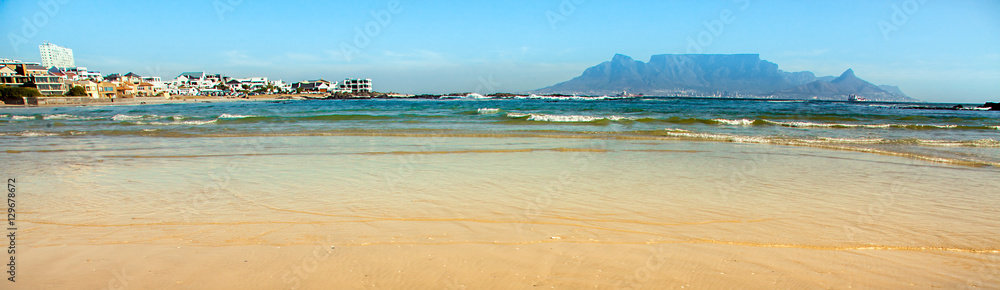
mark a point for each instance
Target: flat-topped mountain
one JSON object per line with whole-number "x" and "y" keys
{"x": 728, "y": 75}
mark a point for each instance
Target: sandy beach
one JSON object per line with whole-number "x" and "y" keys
{"x": 565, "y": 219}
{"x": 498, "y": 194}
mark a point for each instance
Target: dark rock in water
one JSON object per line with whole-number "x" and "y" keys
{"x": 992, "y": 106}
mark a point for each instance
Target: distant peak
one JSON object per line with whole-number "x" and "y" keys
{"x": 619, "y": 56}
{"x": 847, "y": 73}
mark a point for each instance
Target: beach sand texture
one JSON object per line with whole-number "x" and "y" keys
{"x": 389, "y": 212}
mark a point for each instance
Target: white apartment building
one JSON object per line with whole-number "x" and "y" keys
{"x": 254, "y": 83}
{"x": 56, "y": 56}
{"x": 157, "y": 82}
{"x": 355, "y": 85}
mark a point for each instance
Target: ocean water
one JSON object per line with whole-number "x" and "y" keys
{"x": 572, "y": 193}
{"x": 970, "y": 135}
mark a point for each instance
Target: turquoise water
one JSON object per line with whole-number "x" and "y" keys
{"x": 966, "y": 137}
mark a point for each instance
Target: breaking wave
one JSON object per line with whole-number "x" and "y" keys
{"x": 487, "y": 111}
{"x": 565, "y": 118}
{"x": 123, "y": 117}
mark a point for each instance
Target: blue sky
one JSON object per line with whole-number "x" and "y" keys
{"x": 947, "y": 51}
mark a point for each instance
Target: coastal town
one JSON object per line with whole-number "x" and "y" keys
{"x": 57, "y": 79}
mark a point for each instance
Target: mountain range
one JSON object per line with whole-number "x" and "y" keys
{"x": 723, "y": 75}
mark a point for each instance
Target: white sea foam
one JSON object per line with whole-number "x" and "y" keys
{"x": 67, "y": 117}
{"x": 235, "y": 116}
{"x": 565, "y": 118}
{"x": 575, "y": 98}
{"x": 36, "y": 134}
{"x": 718, "y": 137}
{"x": 968, "y": 143}
{"x": 827, "y": 125}
{"x": 487, "y": 111}
{"x": 58, "y": 117}
{"x": 942, "y": 126}
{"x": 123, "y": 117}
{"x": 193, "y": 122}
{"x": 740, "y": 122}
{"x": 562, "y": 118}
{"x": 842, "y": 125}
{"x": 16, "y": 117}
{"x": 826, "y": 140}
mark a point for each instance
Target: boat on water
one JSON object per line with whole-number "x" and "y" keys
{"x": 625, "y": 94}
{"x": 856, "y": 98}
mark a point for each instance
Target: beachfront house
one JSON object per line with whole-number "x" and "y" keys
{"x": 355, "y": 85}
{"x": 34, "y": 75}
{"x": 144, "y": 89}
{"x": 107, "y": 90}
{"x": 82, "y": 73}
{"x": 234, "y": 85}
{"x": 319, "y": 85}
{"x": 113, "y": 78}
{"x": 247, "y": 84}
{"x": 254, "y": 83}
{"x": 159, "y": 86}
{"x": 195, "y": 80}
{"x": 91, "y": 87}
{"x": 132, "y": 78}
{"x": 125, "y": 91}
{"x": 184, "y": 91}
{"x": 281, "y": 86}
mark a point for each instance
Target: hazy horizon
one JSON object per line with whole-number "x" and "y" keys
{"x": 934, "y": 51}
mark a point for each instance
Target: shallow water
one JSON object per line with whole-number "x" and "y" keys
{"x": 477, "y": 202}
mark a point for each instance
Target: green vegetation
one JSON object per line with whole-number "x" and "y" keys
{"x": 14, "y": 95}
{"x": 76, "y": 91}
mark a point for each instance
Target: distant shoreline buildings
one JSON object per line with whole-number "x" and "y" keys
{"x": 57, "y": 73}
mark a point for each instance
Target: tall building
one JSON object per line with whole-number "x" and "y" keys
{"x": 356, "y": 85}
{"x": 56, "y": 56}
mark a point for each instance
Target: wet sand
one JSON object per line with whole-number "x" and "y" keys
{"x": 478, "y": 266}
{"x": 432, "y": 213}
